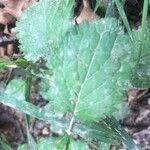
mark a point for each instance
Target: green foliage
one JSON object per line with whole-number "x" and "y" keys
{"x": 93, "y": 63}
{"x": 43, "y": 24}
{"x": 21, "y": 62}
{"x": 16, "y": 88}
{"x": 104, "y": 146}
{"x": 59, "y": 123}
{"x": 4, "y": 145}
{"x": 58, "y": 143}
{"x": 90, "y": 67}
{"x": 90, "y": 73}
{"x": 141, "y": 78}
{"x": 5, "y": 63}
{"x": 123, "y": 17}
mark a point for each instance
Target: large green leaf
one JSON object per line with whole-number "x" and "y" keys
{"x": 42, "y": 26}
{"x": 90, "y": 70}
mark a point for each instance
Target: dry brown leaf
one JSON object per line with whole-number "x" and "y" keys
{"x": 15, "y": 7}
{"x": 134, "y": 94}
{"x": 8, "y": 15}
{"x": 87, "y": 13}
{"x": 2, "y": 51}
{"x": 6, "y": 18}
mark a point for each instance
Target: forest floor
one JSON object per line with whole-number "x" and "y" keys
{"x": 12, "y": 127}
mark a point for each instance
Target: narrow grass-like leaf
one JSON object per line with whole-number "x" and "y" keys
{"x": 4, "y": 145}
{"x": 144, "y": 19}
{"x": 16, "y": 88}
{"x": 5, "y": 63}
{"x": 124, "y": 17}
{"x": 78, "y": 144}
{"x": 98, "y": 3}
{"x": 141, "y": 77}
{"x": 110, "y": 9}
{"x": 58, "y": 143}
{"x": 104, "y": 146}
{"x": 60, "y": 123}
{"x": 21, "y": 62}
{"x": 143, "y": 29}
{"x": 48, "y": 144}
{"x": 127, "y": 140}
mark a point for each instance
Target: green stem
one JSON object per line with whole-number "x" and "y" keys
{"x": 28, "y": 83}
{"x": 110, "y": 9}
{"x": 28, "y": 86}
{"x": 127, "y": 140}
{"x": 124, "y": 17}
{"x": 98, "y": 2}
{"x": 143, "y": 31}
{"x": 144, "y": 19}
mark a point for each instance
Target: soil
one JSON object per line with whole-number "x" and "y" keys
{"x": 12, "y": 127}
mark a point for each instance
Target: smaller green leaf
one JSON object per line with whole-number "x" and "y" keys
{"x": 4, "y": 145}
{"x": 16, "y": 88}
{"x": 60, "y": 123}
{"x": 125, "y": 137}
{"x": 77, "y": 145}
{"x": 123, "y": 111}
{"x": 104, "y": 146}
{"x": 52, "y": 143}
{"x": 21, "y": 62}
{"x": 58, "y": 143}
{"x": 31, "y": 142}
{"x": 23, "y": 147}
{"x": 5, "y": 63}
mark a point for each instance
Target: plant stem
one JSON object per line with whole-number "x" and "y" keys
{"x": 31, "y": 142}
{"x": 144, "y": 27}
{"x": 144, "y": 20}
{"x": 124, "y": 18}
{"x": 110, "y": 9}
{"x": 28, "y": 87}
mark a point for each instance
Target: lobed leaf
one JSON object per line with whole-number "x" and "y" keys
{"x": 42, "y": 26}
{"x": 90, "y": 70}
